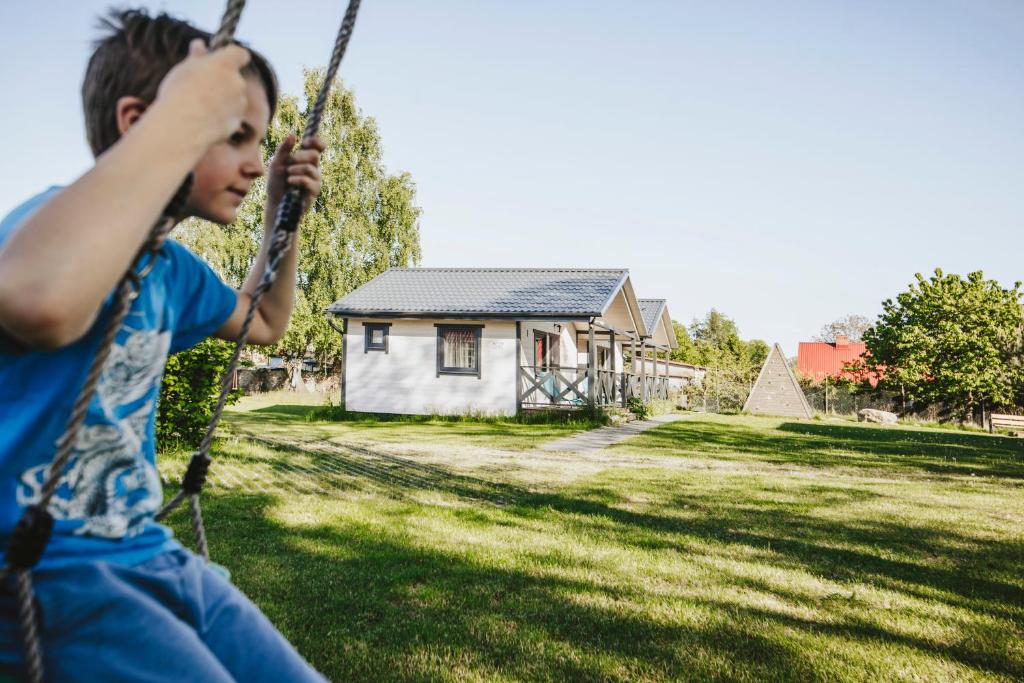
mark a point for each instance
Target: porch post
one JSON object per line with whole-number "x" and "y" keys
{"x": 519, "y": 370}
{"x": 657, "y": 374}
{"x": 643, "y": 371}
{"x": 625, "y": 388}
{"x": 668, "y": 370}
{"x": 627, "y": 381}
{"x": 591, "y": 361}
{"x": 611, "y": 360}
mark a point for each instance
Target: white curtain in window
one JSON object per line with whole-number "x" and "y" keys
{"x": 460, "y": 349}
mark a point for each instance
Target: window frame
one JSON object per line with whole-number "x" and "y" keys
{"x": 368, "y": 330}
{"x": 477, "y": 331}
{"x": 553, "y": 345}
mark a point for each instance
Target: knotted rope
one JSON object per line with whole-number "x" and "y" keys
{"x": 29, "y": 539}
{"x": 282, "y": 236}
{"x": 32, "y": 533}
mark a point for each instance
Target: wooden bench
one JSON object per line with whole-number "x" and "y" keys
{"x": 1015, "y": 423}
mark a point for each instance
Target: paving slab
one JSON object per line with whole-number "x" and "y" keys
{"x": 602, "y": 437}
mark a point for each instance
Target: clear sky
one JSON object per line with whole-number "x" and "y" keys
{"x": 785, "y": 162}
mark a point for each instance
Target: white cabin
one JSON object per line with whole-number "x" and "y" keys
{"x": 499, "y": 341}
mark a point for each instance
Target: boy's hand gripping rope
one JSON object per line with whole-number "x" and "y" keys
{"x": 32, "y": 532}
{"x": 285, "y": 225}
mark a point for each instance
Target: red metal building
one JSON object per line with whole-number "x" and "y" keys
{"x": 819, "y": 360}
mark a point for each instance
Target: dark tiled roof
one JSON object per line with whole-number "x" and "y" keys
{"x": 461, "y": 292}
{"x": 650, "y": 309}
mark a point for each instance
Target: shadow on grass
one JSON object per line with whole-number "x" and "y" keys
{"x": 819, "y": 445}
{"x": 370, "y": 601}
{"x": 890, "y": 554}
{"x": 393, "y": 476}
{"x": 502, "y": 433}
{"x": 366, "y": 602}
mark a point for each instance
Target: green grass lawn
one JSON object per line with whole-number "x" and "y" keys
{"x": 260, "y": 415}
{"x": 714, "y": 548}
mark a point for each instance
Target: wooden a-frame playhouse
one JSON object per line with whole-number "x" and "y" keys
{"x": 776, "y": 391}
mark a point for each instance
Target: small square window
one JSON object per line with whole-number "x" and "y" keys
{"x": 376, "y": 337}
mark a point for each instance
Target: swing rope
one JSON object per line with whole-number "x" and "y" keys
{"x": 32, "y": 532}
{"x": 285, "y": 225}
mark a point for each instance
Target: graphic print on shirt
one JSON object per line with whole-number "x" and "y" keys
{"x": 108, "y": 483}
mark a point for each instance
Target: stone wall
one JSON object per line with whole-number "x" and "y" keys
{"x": 259, "y": 380}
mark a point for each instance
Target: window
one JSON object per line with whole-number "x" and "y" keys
{"x": 458, "y": 349}
{"x": 376, "y": 337}
{"x": 545, "y": 350}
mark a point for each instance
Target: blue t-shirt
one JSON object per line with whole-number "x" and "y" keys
{"x": 110, "y": 490}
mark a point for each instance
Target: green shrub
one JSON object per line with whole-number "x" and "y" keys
{"x": 189, "y": 392}
{"x": 637, "y": 406}
{"x": 660, "y": 406}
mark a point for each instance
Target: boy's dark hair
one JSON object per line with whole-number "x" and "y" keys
{"x": 134, "y": 58}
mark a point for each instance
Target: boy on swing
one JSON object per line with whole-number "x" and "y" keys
{"x": 119, "y": 599}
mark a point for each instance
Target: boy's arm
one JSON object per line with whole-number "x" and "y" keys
{"x": 299, "y": 169}
{"x": 60, "y": 264}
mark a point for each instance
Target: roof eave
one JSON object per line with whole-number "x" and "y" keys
{"x": 625, "y": 285}
{"x": 670, "y": 330}
{"x": 464, "y": 315}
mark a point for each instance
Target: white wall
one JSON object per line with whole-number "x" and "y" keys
{"x": 600, "y": 340}
{"x": 405, "y": 380}
{"x": 674, "y": 370}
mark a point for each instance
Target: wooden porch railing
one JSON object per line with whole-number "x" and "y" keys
{"x": 565, "y": 387}
{"x": 554, "y": 386}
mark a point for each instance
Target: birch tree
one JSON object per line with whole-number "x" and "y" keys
{"x": 364, "y": 221}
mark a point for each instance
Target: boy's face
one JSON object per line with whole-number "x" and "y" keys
{"x": 223, "y": 175}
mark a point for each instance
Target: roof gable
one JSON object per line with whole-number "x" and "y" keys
{"x": 655, "y": 314}
{"x": 651, "y": 311}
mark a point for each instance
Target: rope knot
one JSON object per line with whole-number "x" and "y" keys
{"x": 30, "y": 536}
{"x": 195, "y": 475}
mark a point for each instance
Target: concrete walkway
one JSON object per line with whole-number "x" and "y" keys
{"x": 596, "y": 439}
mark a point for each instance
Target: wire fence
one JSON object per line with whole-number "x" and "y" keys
{"x": 722, "y": 390}
{"x": 725, "y": 390}
{"x": 829, "y": 399}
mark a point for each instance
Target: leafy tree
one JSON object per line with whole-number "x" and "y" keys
{"x": 686, "y": 349}
{"x": 852, "y": 327}
{"x": 716, "y": 343}
{"x": 757, "y": 352}
{"x": 732, "y": 363}
{"x": 364, "y": 221}
{"x": 951, "y": 340}
{"x": 716, "y": 329}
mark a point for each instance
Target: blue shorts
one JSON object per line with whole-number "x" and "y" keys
{"x": 168, "y": 619}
